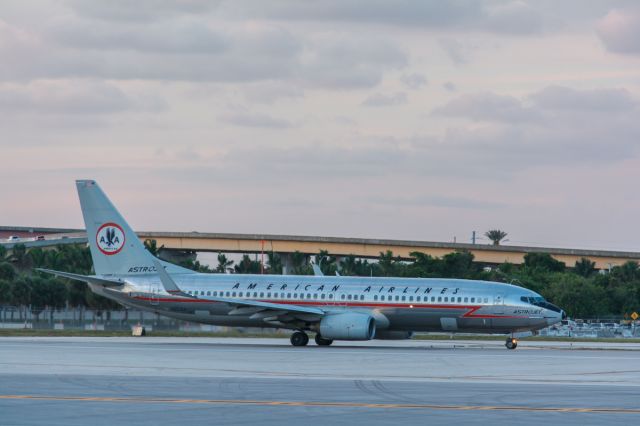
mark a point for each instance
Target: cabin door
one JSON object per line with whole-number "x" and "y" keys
{"x": 154, "y": 298}
{"x": 498, "y": 302}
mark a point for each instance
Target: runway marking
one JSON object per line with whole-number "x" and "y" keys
{"x": 603, "y": 410}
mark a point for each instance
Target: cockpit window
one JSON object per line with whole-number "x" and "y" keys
{"x": 539, "y": 301}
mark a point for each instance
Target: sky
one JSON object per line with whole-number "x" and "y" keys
{"x": 413, "y": 119}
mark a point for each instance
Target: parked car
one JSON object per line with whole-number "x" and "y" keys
{"x": 13, "y": 238}
{"x": 39, "y": 238}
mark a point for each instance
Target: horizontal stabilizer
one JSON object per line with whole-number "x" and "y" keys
{"x": 86, "y": 278}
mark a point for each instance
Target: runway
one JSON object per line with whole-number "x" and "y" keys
{"x": 176, "y": 381}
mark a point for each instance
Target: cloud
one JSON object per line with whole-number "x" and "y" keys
{"x": 414, "y": 81}
{"x": 514, "y": 17}
{"x": 381, "y": 100}
{"x": 565, "y": 98}
{"x": 72, "y": 97}
{"x": 486, "y": 107}
{"x": 556, "y": 125}
{"x": 423, "y": 13}
{"x": 449, "y": 86}
{"x": 437, "y": 200}
{"x": 196, "y": 50}
{"x": 192, "y": 36}
{"x": 458, "y": 52}
{"x": 255, "y": 121}
{"x": 619, "y": 30}
{"x": 144, "y": 10}
{"x": 339, "y": 62}
{"x": 269, "y": 92}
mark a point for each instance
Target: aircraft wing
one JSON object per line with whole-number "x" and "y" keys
{"x": 86, "y": 278}
{"x": 242, "y": 306}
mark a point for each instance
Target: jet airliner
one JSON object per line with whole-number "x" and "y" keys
{"x": 332, "y": 307}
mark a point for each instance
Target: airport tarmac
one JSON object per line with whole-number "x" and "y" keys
{"x": 178, "y": 381}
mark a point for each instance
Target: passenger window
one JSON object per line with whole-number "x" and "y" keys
{"x": 446, "y": 300}
{"x": 418, "y": 299}
{"x": 261, "y": 294}
{"x": 362, "y": 297}
{"x": 404, "y": 298}
{"x": 215, "y": 293}
{"x": 342, "y": 296}
{"x": 233, "y": 294}
{"x": 466, "y": 299}
{"x": 473, "y": 300}
{"x": 322, "y": 296}
{"x": 397, "y": 298}
{"x": 240, "y": 294}
{"x": 315, "y": 296}
{"x": 486, "y": 300}
{"x": 331, "y": 296}
{"x": 288, "y": 295}
{"x": 375, "y": 298}
{"x": 308, "y": 295}
{"x": 208, "y": 293}
{"x": 348, "y": 297}
{"x": 255, "y": 294}
{"x": 410, "y": 298}
{"x": 439, "y": 299}
{"x": 459, "y": 299}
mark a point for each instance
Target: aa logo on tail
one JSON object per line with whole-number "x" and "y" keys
{"x": 110, "y": 238}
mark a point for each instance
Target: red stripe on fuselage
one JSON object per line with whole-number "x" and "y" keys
{"x": 469, "y": 314}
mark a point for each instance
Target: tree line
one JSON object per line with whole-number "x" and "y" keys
{"x": 579, "y": 289}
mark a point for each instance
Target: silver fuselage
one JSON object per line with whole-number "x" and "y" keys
{"x": 397, "y": 304}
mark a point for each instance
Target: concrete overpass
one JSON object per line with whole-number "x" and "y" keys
{"x": 181, "y": 242}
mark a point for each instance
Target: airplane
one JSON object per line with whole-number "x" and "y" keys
{"x": 333, "y": 307}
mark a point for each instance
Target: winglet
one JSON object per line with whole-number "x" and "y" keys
{"x": 168, "y": 283}
{"x": 317, "y": 271}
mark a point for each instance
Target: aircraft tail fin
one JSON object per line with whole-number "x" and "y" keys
{"x": 115, "y": 248}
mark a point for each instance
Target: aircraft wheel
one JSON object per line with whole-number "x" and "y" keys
{"x": 299, "y": 338}
{"x": 511, "y": 343}
{"x": 320, "y": 341}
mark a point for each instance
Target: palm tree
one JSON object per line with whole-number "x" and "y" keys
{"x": 152, "y": 247}
{"x": 224, "y": 264}
{"x": 348, "y": 265}
{"x": 247, "y": 266}
{"x": 495, "y": 235}
{"x": 388, "y": 264}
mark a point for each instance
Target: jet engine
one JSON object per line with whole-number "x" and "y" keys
{"x": 348, "y": 326}
{"x": 393, "y": 335}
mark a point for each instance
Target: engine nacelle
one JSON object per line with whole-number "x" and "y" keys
{"x": 393, "y": 335}
{"x": 348, "y": 326}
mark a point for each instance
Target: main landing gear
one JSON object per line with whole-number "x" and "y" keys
{"x": 300, "y": 338}
{"x": 511, "y": 343}
{"x": 321, "y": 341}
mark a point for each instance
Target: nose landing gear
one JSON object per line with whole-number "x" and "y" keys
{"x": 511, "y": 343}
